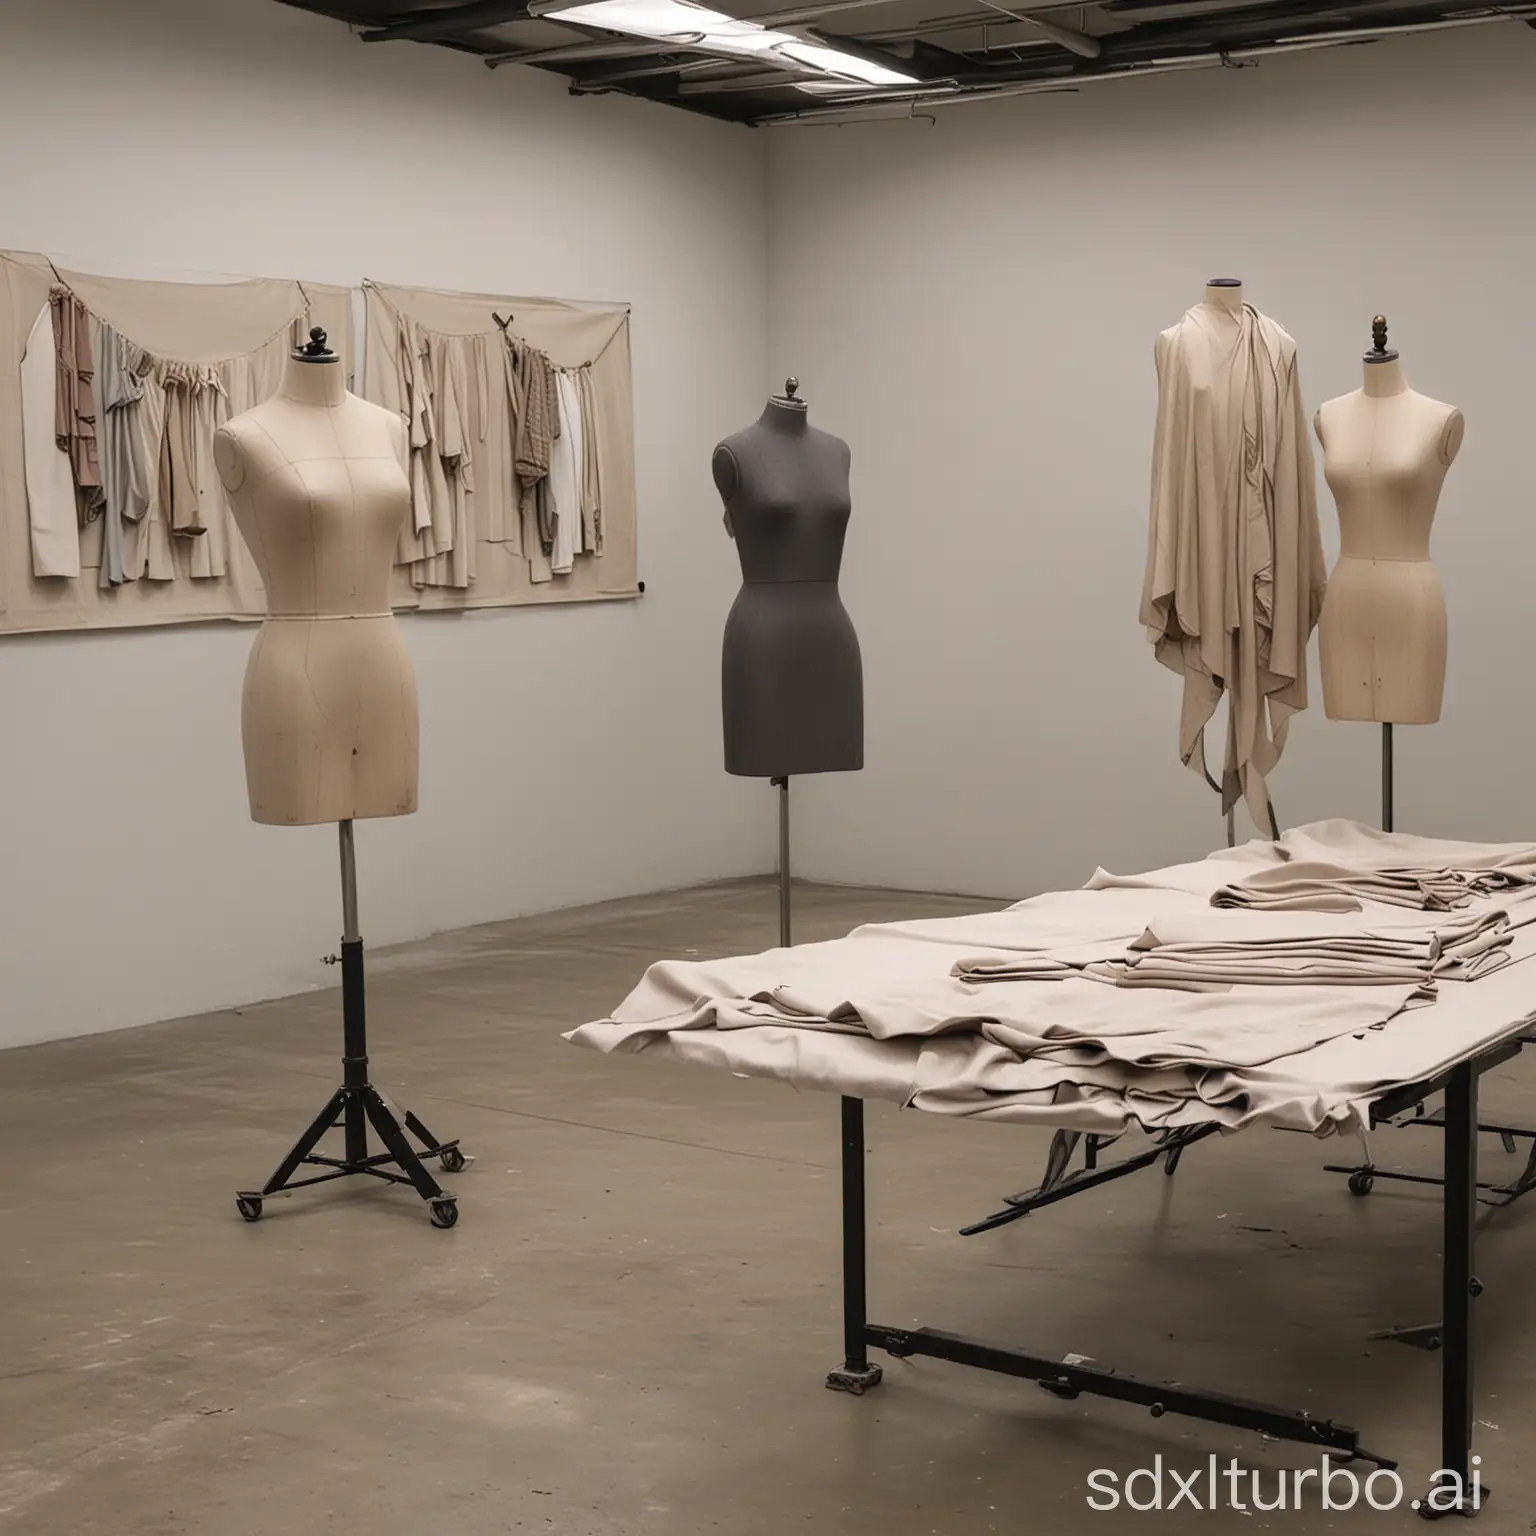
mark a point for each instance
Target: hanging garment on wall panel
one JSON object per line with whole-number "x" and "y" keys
{"x": 74, "y": 402}
{"x": 508, "y": 392}
{"x": 1235, "y": 571}
{"x": 240, "y": 330}
{"x": 591, "y": 471}
{"x": 565, "y": 479}
{"x": 52, "y": 518}
{"x": 121, "y": 368}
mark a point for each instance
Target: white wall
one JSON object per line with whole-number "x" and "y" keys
{"x": 568, "y": 755}
{"x": 973, "y": 306}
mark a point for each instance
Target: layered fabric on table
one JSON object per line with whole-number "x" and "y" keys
{"x": 1136, "y": 1000}
{"x": 1209, "y": 947}
{"x": 1235, "y": 572}
{"x": 1339, "y": 865}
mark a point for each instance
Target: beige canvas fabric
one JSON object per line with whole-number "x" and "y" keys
{"x": 510, "y": 567}
{"x": 879, "y": 1014}
{"x": 1235, "y": 571}
{"x": 243, "y": 330}
{"x": 1340, "y": 864}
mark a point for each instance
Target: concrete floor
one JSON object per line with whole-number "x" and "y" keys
{"x": 627, "y": 1331}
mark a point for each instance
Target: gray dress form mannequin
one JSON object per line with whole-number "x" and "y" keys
{"x": 792, "y": 680}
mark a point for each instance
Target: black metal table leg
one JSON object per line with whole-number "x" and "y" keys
{"x": 1454, "y": 1491}
{"x": 856, "y": 1375}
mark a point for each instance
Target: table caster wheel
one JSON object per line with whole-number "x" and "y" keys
{"x": 444, "y": 1212}
{"x": 1361, "y": 1182}
{"x": 453, "y": 1160}
{"x": 249, "y": 1206}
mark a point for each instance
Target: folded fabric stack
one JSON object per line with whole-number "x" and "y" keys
{"x": 1336, "y": 866}
{"x": 1144, "y": 999}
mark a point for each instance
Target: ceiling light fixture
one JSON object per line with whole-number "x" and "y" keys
{"x": 694, "y": 26}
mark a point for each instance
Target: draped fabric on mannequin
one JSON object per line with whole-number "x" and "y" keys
{"x": 221, "y": 346}
{"x": 483, "y": 404}
{"x": 1235, "y": 570}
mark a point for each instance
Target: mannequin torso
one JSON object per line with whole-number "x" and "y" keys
{"x": 792, "y": 677}
{"x": 317, "y": 484}
{"x": 1218, "y": 312}
{"x": 1386, "y": 450}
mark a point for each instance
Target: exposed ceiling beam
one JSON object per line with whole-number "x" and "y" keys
{"x": 443, "y": 21}
{"x": 608, "y": 79}
{"x": 883, "y": 103}
{"x": 1080, "y": 43}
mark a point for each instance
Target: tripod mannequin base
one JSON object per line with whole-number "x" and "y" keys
{"x": 352, "y": 1109}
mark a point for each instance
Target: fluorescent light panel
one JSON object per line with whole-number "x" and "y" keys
{"x": 714, "y": 32}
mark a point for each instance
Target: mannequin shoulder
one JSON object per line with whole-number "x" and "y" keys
{"x": 1451, "y": 435}
{"x": 836, "y": 450}
{"x": 726, "y": 470}
{"x": 376, "y": 424}
{"x": 1328, "y": 411}
{"x": 237, "y": 449}
{"x": 1331, "y": 412}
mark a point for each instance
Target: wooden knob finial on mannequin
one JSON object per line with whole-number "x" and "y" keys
{"x": 316, "y": 349}
{"x": 1380, "y": 352}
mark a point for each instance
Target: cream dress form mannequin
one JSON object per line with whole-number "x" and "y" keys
{"x": 317, "y": 483}
{"x": 1386, "y": 450}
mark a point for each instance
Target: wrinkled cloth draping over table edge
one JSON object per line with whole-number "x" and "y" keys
{"x": 875, "y": 1016}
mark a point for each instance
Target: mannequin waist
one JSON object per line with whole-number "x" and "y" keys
{"x": 323, "y": 618}
{"x": 827, "y": 583}
{"x": 1348, "y": 557}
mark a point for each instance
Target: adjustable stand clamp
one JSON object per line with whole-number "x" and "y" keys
{"x": 357, "y": 1104}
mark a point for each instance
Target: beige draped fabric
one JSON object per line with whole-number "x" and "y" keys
{"x": 121, "y": 371}
{"x": 241, "y": 331}
{"x": 591, "y": 465}
{"x": 1232, "y": 1037}
{"x": 505, "y": 390}
{"x": 1235, "y": 570}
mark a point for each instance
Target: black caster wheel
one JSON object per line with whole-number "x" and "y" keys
{"x": 453, "y": 1160}
{"x": 444, "y": 1212}
{"x": 1064, "y": 1390}
{"x": 1361, "y": 1182}
{"x": 249, "y": 1206}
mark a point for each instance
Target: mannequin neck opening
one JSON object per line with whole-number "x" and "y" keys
{"x": 313, "y": 383}
{"x": 1228, "y": 296}
{"x": 781, "y": 415}
{"x": 1385, "y": 379}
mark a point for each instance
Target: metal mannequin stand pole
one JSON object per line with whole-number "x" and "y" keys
{"x": 784, "y": 925}
{"x": 357, "y": 1103}
{"x": 1386, "y": 778}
